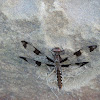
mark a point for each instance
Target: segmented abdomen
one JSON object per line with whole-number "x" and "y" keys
{"x": 59, "y": 79}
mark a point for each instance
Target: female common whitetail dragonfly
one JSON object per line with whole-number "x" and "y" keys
{"x": 57, "y": 61}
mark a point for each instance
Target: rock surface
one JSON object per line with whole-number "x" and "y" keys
{"x": 69, "y": 24}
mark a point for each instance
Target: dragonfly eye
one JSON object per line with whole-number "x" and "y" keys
{"x": 56, "y": 49}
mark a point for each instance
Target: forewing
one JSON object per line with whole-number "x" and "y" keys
{"x": 28, "y": 46}
{"x": 88, "y": 48}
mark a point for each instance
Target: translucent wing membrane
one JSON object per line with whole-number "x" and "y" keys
{"x": 79, "y": 53}
{"x": 73, "y": 59}
{"x": 38, "y": 63}
{"x": 29, "y": 47}
{"x": 90, "y": 48}
{"x": 29, "y": 60}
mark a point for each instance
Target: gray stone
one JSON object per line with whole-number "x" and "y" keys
{"x": 68, "y": 24}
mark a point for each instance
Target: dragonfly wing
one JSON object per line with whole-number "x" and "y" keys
{"x": 80, "y": 54}
{"x": 33, "y": 50}
{"x": 38, "y": 63}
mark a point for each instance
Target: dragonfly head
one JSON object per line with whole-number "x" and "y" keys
{"x": 57, "y": 50}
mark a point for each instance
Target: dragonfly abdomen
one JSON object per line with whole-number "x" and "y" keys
{"x": 59, "y": 78}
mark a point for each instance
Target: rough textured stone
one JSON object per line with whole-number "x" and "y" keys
{"x": 69, "y": 24}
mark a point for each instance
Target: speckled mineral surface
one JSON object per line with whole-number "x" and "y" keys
{"x": 68, "y": 24}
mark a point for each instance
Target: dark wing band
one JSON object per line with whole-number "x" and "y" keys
{"x": 79, "y": 64}
{"x": 64, "y": 59}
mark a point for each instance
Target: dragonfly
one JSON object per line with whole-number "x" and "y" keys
{"x": 57, "y": 62}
